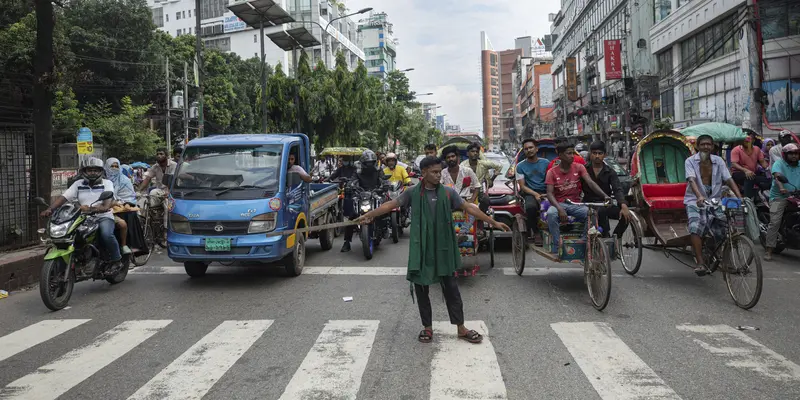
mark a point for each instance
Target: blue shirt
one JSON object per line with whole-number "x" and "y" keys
{"x": 719, "y": 175}
{"x": 791, "y": 173}
{"x": 534, "y": 174}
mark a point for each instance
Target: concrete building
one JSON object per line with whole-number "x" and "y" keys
{"x": 440, "y": 123}
{"x": 603, "y": 71}
{"x": 380, "y": 46}
{"x": 707, "y": 62}
{"x": 429, "y": 111}
{"x": 490, "y": 87}
{"x": 448, "y": 128}
{"x": 224, "y": 31}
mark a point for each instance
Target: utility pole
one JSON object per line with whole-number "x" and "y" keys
{"x": 198, "y": 49}
{"x": 186, "y": 102}
{"x": 43, "y": 64}
{"x": 169, "y": 104}
{"x": 264, "y": 116}
{"x": 753, "y": 59}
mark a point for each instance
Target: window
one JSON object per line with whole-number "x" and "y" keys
{"x": 183, "y": 14}
{"x": 166, "y": 16}
{"x": 668, "y": 104}
{"x": 177, "y": 15}
{"x": 779, "y": 18}
{"x": 212, "y": 30}
{"x": 783, "y": 91}
{"x": 663, "y": 8}
{"x": 665, "y": 64}
{"x": 158, "y": 17}
{"x": 190, "y": 13}
{"x": 221, "y": 44}
{"x": 691, "y": 100}
{"x": 493, "y": 59}
{"x": 255, "y": 38}
{"x": 213, "y": 8}
{"x": 713, "y": 42}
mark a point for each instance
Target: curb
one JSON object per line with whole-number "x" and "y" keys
{"x": 21, "y": 268}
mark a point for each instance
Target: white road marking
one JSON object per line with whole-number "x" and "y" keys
{"x": 613, "y": 369}
{"x": 462, "y": 370}
{"x": 324, "y": 270}
{"x": 56, "y": 378}
{"x": 335, "y": 364}
{"x": 35, "y": 334}
{"x": 742, "y": 351}
{"x": 196, "y": 371}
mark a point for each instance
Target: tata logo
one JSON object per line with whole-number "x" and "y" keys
{"x": 218, "y": 228}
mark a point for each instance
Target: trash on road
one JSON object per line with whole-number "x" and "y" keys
{"x": 347, "y": 299}
{"x": 3, "y": 294}
{"x": 747, "y": 328}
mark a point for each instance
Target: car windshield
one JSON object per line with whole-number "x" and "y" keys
{"x": 502, "y": 161}
{"x": 615, "y": 166}
{"x": 207, "y": 168}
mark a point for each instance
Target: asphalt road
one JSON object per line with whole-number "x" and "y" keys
{"x": 245, "y": 333}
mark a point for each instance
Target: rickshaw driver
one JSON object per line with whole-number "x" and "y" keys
{"x": 712, "y": 173}
{"x": 564, "y": 182}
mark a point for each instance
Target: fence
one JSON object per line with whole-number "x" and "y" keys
{"x": 18, "y": 215}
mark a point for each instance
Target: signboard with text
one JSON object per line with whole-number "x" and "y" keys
{"x": 85, "y": 142}
{"x": 572, "y": 78}
{"x": 233, "y": 24}
{"x": 613, "y": 60}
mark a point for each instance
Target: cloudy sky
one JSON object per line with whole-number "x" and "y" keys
{"x": 440, "y": 39}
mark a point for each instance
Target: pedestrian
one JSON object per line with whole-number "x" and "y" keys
{"x": 433, "y": 255}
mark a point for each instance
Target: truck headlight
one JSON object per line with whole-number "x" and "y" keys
{"x": 179, "y": 224}
{"x": 59, "y": 230}
{"x": 262, "y": 223}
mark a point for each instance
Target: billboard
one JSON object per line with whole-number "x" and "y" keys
{"x": 613, "y": 60}
{"x": 572, "y": 79}
{"x": 233, "y": 24}
{"x": 545, "y": 91}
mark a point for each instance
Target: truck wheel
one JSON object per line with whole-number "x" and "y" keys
{"x": 294, "y": 261}
{"x": 326, "y": 236}
{"x": 195, "y": 269}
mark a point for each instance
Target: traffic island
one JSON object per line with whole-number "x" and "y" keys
{"x": 21, "y": 268}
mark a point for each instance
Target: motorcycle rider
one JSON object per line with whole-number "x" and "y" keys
{"x": 745, "y": 160}
{"x": 86, "y": 191}
{"x": 776, "y": 152}
{"x": 398, "y": 172}
{"x": 369, "y": 178}
{"x": 787, "y": 167}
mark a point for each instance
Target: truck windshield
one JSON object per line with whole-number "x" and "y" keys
{"x": 239, "y": 169}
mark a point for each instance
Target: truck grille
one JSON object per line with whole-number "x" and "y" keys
{"x": 229, "y": 228}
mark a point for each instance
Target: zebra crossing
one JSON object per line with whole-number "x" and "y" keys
{"x": 334, "y": 366}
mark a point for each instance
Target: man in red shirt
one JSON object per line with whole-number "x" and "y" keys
{"x": 565, "y": 182}
{"x": 745, "y": 160}
{"x": 556, "y": 161}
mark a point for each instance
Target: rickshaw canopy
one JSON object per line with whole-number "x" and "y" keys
{"x": 720, "y": 132}
{"x": 342, "y": 151}
{"x": 659, "y": 157}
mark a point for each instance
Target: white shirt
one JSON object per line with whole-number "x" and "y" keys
{"x": 86, "y": 195}
{"x": 458, "y": 185}
{"x": 775, "y": 153}
{"x": 156, "y": 173}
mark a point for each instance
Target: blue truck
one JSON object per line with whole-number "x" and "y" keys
{"x": 229, "y": 191}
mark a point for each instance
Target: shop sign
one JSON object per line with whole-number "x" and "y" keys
{"x": 613, "y": 60}
{"x": 572, "y": 79}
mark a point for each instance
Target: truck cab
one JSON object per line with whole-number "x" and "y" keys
{"x": 229, "y": 191}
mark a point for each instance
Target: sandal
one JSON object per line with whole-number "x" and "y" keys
{"x": 472, "y": 337}
{"x": 425, "y": 336}
{"x": 701, "y": 270}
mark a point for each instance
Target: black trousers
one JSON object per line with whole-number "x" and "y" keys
{"x": 749, "y": 185}
{"x": 452, "y": 296}
{"x": 532, "y": 209}
{"x": 606, "y": 213}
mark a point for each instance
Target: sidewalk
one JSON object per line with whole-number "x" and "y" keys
{"x": 20, "y": 268}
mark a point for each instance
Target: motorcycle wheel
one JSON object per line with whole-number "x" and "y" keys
{"x": 123, "y": 272}
{"x": 395, "y": 227}
{"x": 56, "y": 294}
{"x": 366, "y": 241}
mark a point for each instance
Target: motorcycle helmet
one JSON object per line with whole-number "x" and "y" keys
{"x": 92, "y": 171}
{"x": 368, "y": 159}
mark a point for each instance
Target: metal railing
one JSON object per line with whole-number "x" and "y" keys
{"x": 18, "y": 215}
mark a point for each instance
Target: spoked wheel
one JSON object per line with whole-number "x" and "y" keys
{"x": 517, "y": 248}
{"x": 630, "y": 246}
{"x": 742, "y": 271}
{"x": 54, "y": 289}
{"x": 142, "y": 257}
{"x": 597, "y": 273}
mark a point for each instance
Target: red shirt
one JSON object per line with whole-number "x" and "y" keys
{"x": 567, "y": 185}
{"x": 739, "y": 156}
{"x": 577, "y": 160}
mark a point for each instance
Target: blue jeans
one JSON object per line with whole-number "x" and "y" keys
{"x": 578, "y": 212}
{"x": 108, "y": 240}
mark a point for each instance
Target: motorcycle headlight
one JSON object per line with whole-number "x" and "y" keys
{"x": 262, "y": 223}
{"x": 365, "y": 205}
{"x": 59, "y": 230}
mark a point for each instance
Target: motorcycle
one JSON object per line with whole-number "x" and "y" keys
{"x": 74, "y": 253}
{"x": 789, "y": 231}
{"x": 366, "y": 201}
{"x": 399, "y": 217}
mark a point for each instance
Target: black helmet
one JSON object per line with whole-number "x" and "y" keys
{"x": 368, "y": 156}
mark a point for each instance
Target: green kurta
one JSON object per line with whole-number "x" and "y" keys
{"x": 433, "y": 250}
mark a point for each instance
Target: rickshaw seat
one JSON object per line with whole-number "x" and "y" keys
{"x": 664, "y": 196}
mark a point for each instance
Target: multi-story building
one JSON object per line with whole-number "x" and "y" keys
{"x": 534, "y": 97}
{"x": 380, "y": 47}
{"x": 429, "y": 112}
{"x": 448, "y": 128}
{"x": 440, "y": 123}
{"x": 490, "y": 85}
{"x": 708, "y": 64}
{"x": 222, "y": 30}
{"x": 602, "y": 69}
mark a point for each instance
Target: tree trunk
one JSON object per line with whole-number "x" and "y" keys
{"x": 43, "y": 98}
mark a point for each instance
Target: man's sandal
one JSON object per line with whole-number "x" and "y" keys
{"x": 472, "y": 337}
{"x": 425, "y": 336}
{"x": 701, "y": 270}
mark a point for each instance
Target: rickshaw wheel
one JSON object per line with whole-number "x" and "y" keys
{"x": 634, "y": 261}
{"x": 732, "y": 269}
{"x": 491, "y": 248}
{"x": 597, "y": 272}
{"x": 517, "y": 248}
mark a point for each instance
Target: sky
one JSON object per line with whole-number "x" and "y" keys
{"x": 441, "y": 40}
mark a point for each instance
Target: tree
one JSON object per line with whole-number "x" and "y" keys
{"x": 126, "y": 134}
{"x": 280, "y": 101}
{"x": 67, "y": 118}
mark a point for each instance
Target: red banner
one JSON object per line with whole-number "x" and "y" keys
{"x": 613, "y": 59}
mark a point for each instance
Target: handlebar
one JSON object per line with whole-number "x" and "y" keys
{"x": 607, "y": 203}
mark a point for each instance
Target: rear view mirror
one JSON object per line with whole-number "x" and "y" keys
{"x": 40, "y": 201}
{"x": 108, "y": 194}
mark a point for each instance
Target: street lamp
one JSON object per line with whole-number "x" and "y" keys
{"x": 407, "y": 70}
{"x": 325, "y": 30}
{"x": 424, "y": 94}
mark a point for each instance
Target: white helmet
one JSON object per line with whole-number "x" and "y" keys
{"x": 92, "y": 171}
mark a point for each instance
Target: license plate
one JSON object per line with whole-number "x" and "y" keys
{"x": 218, "y": 244}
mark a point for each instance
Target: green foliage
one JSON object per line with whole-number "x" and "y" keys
{"x": 67, "y": 118}
{"x": 125, "y": 134}
{"x": 665, "y": 123}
